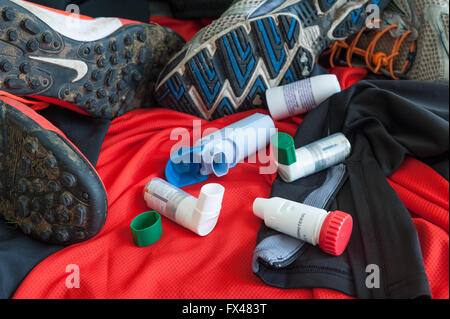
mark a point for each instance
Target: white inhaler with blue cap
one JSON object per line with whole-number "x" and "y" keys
{"x": 216, "y": 153}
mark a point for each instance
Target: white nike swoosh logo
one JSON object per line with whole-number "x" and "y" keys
{"x": 79, "y": 66}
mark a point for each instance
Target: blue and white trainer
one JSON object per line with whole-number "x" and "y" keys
{"x": 255, "y": 45}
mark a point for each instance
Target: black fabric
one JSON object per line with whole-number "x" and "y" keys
{"x": 440, "y": 164}
{"x": 85, "y": 132}
{"x": 192, "y": 9}
{"x": 19, "y": 254}
{"x": 138, "y": 11}
{"x": 384, "y": 121}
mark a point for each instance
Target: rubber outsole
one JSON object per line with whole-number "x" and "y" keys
{"x": 121, "y": 69}
{"x": 234, "y": 71}
{"x": 47, "y": 188}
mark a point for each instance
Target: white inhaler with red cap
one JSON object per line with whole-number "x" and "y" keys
{"x": 330, "y": 230}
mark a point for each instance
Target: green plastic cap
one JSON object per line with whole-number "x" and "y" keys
{"x": 146, "y": 229}
{"x": 284, "y": 148}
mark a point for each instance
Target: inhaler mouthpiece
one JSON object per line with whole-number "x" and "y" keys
{"x": 218, "y": 158}
{"x": 210, "y": 198}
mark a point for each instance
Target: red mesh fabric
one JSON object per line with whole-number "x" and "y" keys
{"x": 184, "y": 265}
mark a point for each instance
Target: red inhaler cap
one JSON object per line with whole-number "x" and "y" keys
{"x": 335, "y": 233}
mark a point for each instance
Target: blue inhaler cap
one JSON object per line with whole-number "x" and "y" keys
{"x": 183, "y": 167}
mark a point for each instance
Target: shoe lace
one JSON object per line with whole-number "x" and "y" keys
{"x": 375, "y": 61}
{"x": 35, "y": 105}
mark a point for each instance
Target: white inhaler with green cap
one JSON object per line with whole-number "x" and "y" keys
{"x": 295, "y": 164}
{"x": 199, "y": 215}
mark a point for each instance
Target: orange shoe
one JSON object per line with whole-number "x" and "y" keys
{"x": 47, "y": 187}
{"x": 412, "y": 43}
{"x": 368, "y": 49}
{"x": 103, "y": 67}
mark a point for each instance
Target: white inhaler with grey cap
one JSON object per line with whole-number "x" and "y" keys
{"x": 302, "y": 96}
{"x": 294, "y": 164}
{"x": 199, "y": 215}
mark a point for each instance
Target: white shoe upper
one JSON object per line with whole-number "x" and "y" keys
{"x": 73, "y": 27}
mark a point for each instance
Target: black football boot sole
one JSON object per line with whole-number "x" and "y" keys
{"x": 47, "y": 188}
{"x": 118, "y": 72}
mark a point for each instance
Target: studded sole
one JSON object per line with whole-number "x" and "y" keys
{"x": 47, "y": 188}
{"x": 105, "y": 78}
